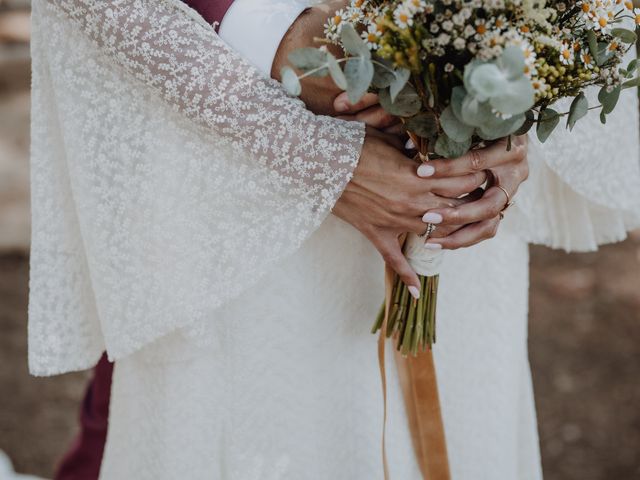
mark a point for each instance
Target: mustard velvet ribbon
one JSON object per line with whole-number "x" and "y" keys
{"x": 419, "y": 386}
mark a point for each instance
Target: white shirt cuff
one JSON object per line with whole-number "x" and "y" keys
{"x": 255, "y": 28}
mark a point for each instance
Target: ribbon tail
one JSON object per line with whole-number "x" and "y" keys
{"x": 419, "y": 385}
{"x": 388, "y": 280}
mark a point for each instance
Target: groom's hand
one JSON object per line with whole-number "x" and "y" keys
{"x": 320, "y": 94}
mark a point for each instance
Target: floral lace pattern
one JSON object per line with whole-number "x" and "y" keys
{"x": 167, "y": 175}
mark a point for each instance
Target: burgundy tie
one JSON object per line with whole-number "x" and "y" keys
{"x": 211, "y": 10}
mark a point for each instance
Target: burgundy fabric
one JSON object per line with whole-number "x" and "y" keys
{"x": 83, "y": 460}
{"x": 211, "y": 10}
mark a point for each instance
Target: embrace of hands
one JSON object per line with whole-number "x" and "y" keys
{"x": 390, "y": 194}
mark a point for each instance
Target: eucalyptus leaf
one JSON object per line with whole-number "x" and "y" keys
{"x": 407, "y": 103}
{"x": 603, "y": 118}
{"x": 626, "y": 36}
{"x": 425, "y": 125}
{"x": 352, "y": 43}
{"x": 448, "y": 148}
{"x": 336, "y": 73}
{"x": 579, "y": 108}
{"x": 604, "y": 53}
{"x": 592, "y": 40}
{"x": 609, "y": 100}
{"x": 486, "y": 80}
{"x": 475, "y": 113}
{"x": 516, "y": 98}
{"x": 547, "y": 122}
{"x": 401, "y": 77}
{"x": 530, "y": 120}
{"x": 634, "y": 82}
{"x": 458, "y": 94}
{"x": 307, "y": 59}
{"x": 454, "y": 128}
{"x": 383, "y": 73}
{"x": 290, "y": 81}
{"x": 504, "y": 128}
{"x": 633, "y": 65}
{"x": 359, "y": 73}
{"x": 513, "y": 62}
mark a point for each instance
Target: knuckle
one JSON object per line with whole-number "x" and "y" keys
{"x": 395, "y": 206}
{"x": 492, "y": 229}
{"x": 525, "y": 171}
{"x": 477, "y": 161}
{"x": 494, "y": 210}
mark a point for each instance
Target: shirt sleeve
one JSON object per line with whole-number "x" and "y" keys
{"x": 255, "y": 28}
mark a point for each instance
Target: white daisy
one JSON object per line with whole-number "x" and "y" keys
{"x": 403, "y": 16}
{"x": 372, "y": 36}
{"x": 586, "y": 59}
{"x": 333, "y": 27}
{"x": 566, "y": 54}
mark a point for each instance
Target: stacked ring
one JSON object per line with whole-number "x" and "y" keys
{"x": 429, "y": 230}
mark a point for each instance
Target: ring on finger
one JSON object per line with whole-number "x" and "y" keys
{"x": 509, "y": 202}
{"x": 429, "y": 230}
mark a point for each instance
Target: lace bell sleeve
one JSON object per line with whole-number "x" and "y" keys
{"x": 167, "y": 176}
{"x": 584, "y": 186}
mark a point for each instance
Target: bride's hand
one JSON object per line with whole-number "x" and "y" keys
{"x": 386, "y": 198}
{"x": 470, "y": 223}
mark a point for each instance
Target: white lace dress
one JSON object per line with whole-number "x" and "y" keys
{"x": 241, "y": 342}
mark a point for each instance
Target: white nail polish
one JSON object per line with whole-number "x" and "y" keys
{"x": 415, "y": 293}
{"x": 433, "y": 246}
{"x": 425, "y": 170}
{"x": 409, "y": 145}
{"x": 431, "y": 217}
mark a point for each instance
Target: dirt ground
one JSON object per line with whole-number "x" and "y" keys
{"x": 585, "y": 355}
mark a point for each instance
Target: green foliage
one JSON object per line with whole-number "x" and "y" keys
{"x": 547, "y": 123}
{"x": 448, "y": 148}
{"x": 359, "y": 74}
{"x": 406, "y": 104}
{"x": 290, "y": 81}
{"x": 337, "y": 75}
{"x": 308, "y": 59}
{"x": 579, "y": 108}
{"x": 453, "y": 127}
{"x": 626, "y": 36}
{"x": 609, "y": 99}
{"x": 424, "y": 125}
{"x": 502, "y": 82}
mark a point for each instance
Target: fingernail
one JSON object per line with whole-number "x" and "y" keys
{"x": 432, "y": 217}
{"x": 342, "y": 107}
{"x": 433, "y": 246}
{"x": 415, "y": 293}
{"x": 425, "y": 170}
{"x": 409, "y": 145}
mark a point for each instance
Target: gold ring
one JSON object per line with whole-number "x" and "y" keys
{"x": 509, "y": 202}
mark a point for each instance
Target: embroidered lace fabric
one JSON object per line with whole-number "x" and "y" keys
{"x": 167, "y": 175}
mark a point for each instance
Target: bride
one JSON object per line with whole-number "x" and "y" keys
{"x": 181, "y": 222}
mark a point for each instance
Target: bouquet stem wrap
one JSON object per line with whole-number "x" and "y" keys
{"x": 414, "y": 321}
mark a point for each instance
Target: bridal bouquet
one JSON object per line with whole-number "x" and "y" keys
{"x": 462, "y": 73}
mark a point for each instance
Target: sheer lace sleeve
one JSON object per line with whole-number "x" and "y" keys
{"x": 167, "y": 175}
{"x": 166, "y": 46}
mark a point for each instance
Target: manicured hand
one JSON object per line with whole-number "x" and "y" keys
{"x": 386, "y": 199}
{"x": 470, "y": 223}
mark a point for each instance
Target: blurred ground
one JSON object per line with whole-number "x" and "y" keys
{"x": 584, "y": 331}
